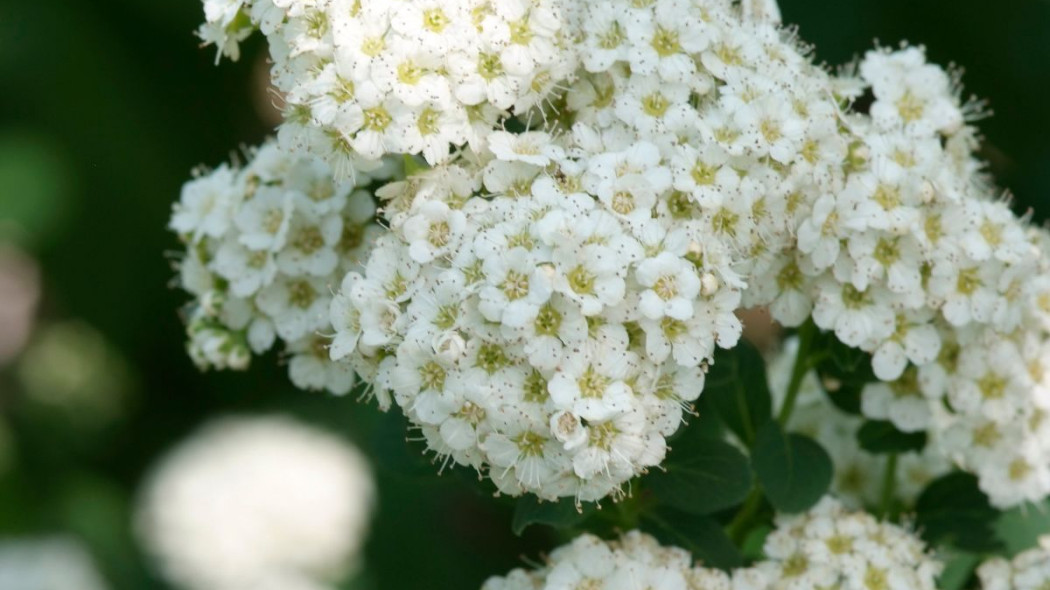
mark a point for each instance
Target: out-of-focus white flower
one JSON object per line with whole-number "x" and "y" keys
{"x": 1028, "y": 570}
{"x": 826, "y": 547}
{"x": 71, "y": 367}
{"x": 56, "y": 563}
{"x": 635, "y": 560}
{"x": 829, "y": 546}
{"x": 262, "y": 502}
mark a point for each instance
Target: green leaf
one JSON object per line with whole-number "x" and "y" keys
{"x": 562, "y": 514}
{"x": 952, "y": 509}
{"x": 736, "y": 388}
{"x": 844, "y": 396}
{"x": 97, "y": 510}
{"x": 843, "y": 372}
{"x": 396, "y": 455}
{"x": 701, "y": 476}
{"x": 793, "y": 469}
{"x": 1021, "y": 527}
{"x": 700, "y": 535}
{"x": 958, "y": 569}
{"x": 754, "y": 543}
{"x": 413, "y": 164}
{"x": 879, "y": 436}
{"x": 36, "y": 180}
{"x": 847, "y": 359}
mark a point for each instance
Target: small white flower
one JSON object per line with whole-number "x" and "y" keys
{"x": 672, "y": 285}
{"x": 206, "y": 205}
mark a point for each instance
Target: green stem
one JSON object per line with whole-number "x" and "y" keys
{"x": 741, "y": 523}
{"x": 806, "y": 334}
{"x": 889, "y": 483}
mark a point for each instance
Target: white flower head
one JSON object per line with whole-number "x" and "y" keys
{"x": 246, "y": 500}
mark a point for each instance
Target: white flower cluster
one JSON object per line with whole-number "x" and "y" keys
{"x": 827, "y": 547}
{"x": 257, "y": 503}
{"x": 830, "y": 547}
{"x": 858, "y": 474}
{"x": 546, "y": 302}
{"x": 553, "y": 330}
{"x": 364, "y": 78}
{"x": 265, "y": 246}
{"x": 547, "y": 307}
{"x": 633, "y": 561}
{"x": 911, "y": 257}
{"x": 1029, "y": 570}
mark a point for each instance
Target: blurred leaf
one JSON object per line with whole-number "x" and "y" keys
{"x": 958, "y": 570}
{"x": 700, "y": 535}
{"x": 413, "y": 164}
{"x": 879, "y": 436}
{"x": 701, "y": 476}
{"x": 361, "y": 580}
{"x": 1021, "y": 527}
{"x": 394, "y": 453}
{"x": 847, "y": 360}
{"x": 793, "y": 469}
{"x": 562, "y": 514}
{"x": 844, "y": 396}
{"x": 98, "y": 512}
{"x": 753, "y": 546}
{"x": 35, "y": 194}
{"x": 736, "y": 388}
{"x": 843, "y": 371}
{"x": 952, "y": 509}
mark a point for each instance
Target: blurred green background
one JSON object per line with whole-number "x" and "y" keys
{"x": 106, "y": 107}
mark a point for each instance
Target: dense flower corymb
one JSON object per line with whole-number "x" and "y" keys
{"x": 831, "y": 547}
{"x": 826, "y": 547}
{"x": 265, "y": 244}
{"x": 364, "y": 78}
{"x": 635, "y": 560}
{"x": 610, "y": 182}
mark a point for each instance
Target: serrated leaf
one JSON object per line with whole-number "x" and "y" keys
{"x": 880, "y": 436}
{"x": 952, "y": 509}
{"x": 794, "y": 470}
{"x": 701, "y": 476}
{"x": 700, "y": 535}
{"x": 736, "y": 388}
{"x": 530, "y": 510}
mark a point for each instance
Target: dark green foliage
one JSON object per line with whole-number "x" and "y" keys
{"x": 794, "y": 470}
{"x": 879, "y": 436}
{"x": 562, "y": 514}
{"x": 952, "y": 509}
{"x": 701, "y": 535}
{"x": 737, "y": 389}
{"x": 701, "y": 476}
